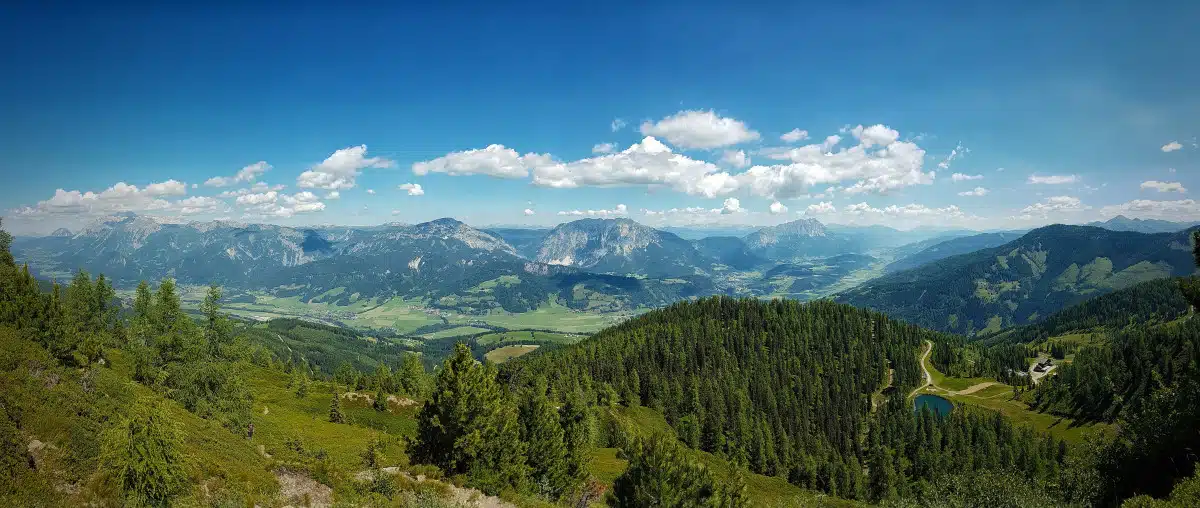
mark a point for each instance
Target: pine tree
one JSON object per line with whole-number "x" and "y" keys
{"x": 542, "y": 433}
{"x": 143, "y": 454}
{"x": 301, "y": 386}
{"x": 469, "y": 427}
{"x": 577, "y": 433}
{"x": 335, "y": 408}
{"x": 217, "y": 329}
{"x": 660, "y": 473}
{"x": 381, "y": 401}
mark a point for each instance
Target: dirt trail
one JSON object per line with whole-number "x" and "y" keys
{"x": 928, "y": 376}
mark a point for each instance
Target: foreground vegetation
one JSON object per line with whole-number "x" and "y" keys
{"x": 719, "y": 402}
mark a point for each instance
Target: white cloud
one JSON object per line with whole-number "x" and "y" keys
{"x": 778, "y": 208}
{"x": 121, "y": 197}
{"x": 878, "y": 134}
{"x": 199, "y": 204}
{"x": 245, "y": 175}
{"x": 960, "y": 177}
{"x": 735, "y": 158}
{"x": 333, "y": 195}
{"x": 731, "y": 205}
{"x": 978, "y": 191}
{"x": 167, "y": 188}
{"x": 1055, "y": 204}
{"x": 646, "y": 163}
{"x": 528, "y": 212}
{"x": 371, "y": 191}
{"x": 957, "y": 152}
{"x": 274, "y": 204}
{"x": 1181, "y": 210}
{"x": 894, "y": 165}
{"x": 603, "y": 148}
{"x": 618, "y": 210}
{"x": 257, "y": 199}
{"x": 617, "y": 124}
{"x": 1163, "y": 186}
{"x": 340, "y": 169}
{"x": 822, "y": 208}
{"x": 414, "y": 189}
{"x": 256, "y": 188}
{"x": 1053, "y": 179}
{"x": 1172, "y": 146}
{"x": 495, "y": 160}
{"x": 700, "y": 129}
{"x": 794, "y": 135}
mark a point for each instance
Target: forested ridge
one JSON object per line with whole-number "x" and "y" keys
{"x": 815, "y": 394}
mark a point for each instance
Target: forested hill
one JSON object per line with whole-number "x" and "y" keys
{"x": 781, "y": 386}
{"x": 1156, "y": 301}
{"x": 1021, "y": 281}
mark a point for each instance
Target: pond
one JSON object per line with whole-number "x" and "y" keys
{"x": 938, "y": 405}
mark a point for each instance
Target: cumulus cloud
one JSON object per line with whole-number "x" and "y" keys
{"x": 1172, "y": 146}
{"x": 1163, "y": 186}
{"x": 340, "y": 170}
{"x": 121, "y": 197}
{"x": 528, "y": 212}
{"x": 413, "y": 189}
{"x": 957, "y": 152}
{"x": 978, "y": 191}
{"x": 794, "y": 135}
{"x": 495, "y": 160}
{"x": 618, "y": 210}
{"x": 735, "y": 158}
{"x": 960, "y": 177}
{"x": 275, "y": 204}
{"x": 648, "y": 162}
{"x": 894, "y": 164}
{"x": 822, "y": 208}
{"x": 371, "y": 191}
{"x": 333, "y": 195}
{"x": 1180, "y": 210}
{"x": 256, "y": 188}
{"x": 1053, "y": 179}
{"x": 603, "y": 148}
{"x": 700, "y": 130}
{"x": 245, "y": 175}
{"x": 778, "y": 208}
{"x": 198, "y": 205}
{"x": 731, "y": 205}
{"x": 617, "y": 124}
{"x": 1055, "y": 204}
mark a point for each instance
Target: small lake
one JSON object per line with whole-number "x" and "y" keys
{"x": 937, "y": 405}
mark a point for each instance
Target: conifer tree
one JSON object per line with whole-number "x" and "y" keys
{"x": 661, "y": 474}
{"x": 301, "y": 385}
{"x": 335, "y": 408}
{"x": 469, "y": 427}
{"x": 143, "y": 454}
{"x": 543, "y": 434}
{"x": 381, "y": 401}
{"x": 577, "y": 433}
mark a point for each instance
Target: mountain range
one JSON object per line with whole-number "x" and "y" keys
{"x": 1030, "y": 277}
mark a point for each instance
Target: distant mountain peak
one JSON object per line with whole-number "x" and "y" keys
{"x": 61, "y": 232}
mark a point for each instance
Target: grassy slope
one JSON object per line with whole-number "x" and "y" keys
{"x": 998, "y": 397}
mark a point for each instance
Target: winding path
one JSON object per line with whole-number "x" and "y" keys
{"x": 928, "y": 376}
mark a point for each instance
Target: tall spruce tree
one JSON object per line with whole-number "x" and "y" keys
{"x": 543, "y": 434}
{"x": 469, "y": 427}
{"x": 143, "y": 455}
{"x": 577, "y": 433}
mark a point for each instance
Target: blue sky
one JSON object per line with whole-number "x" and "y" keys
{"x": 1082, "y": 108}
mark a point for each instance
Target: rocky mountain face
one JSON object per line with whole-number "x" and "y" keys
{"x": 621, "y": 246}
{"x": 1026, "y": 279}
{"x": 798, "y": 239}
